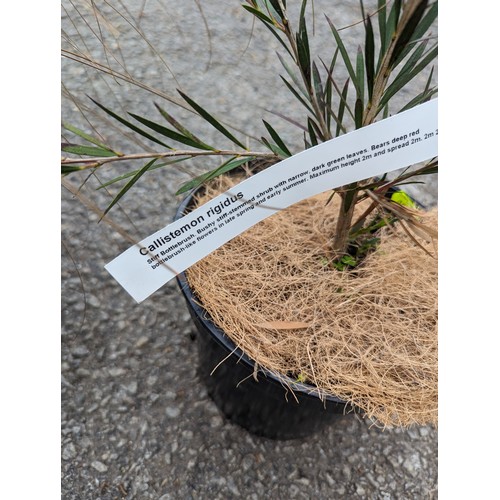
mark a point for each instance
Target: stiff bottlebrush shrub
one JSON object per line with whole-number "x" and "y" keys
{"x": 360, "y": 280}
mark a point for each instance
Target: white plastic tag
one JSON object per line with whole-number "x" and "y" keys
{"x": 396, "y": 142}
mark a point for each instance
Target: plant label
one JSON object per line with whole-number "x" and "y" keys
{"x": 399, "y": 141}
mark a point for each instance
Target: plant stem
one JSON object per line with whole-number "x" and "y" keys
{"x": 99, "y": 161}
{"x": 344, "y": 222}
{"x": 346, "y": 211}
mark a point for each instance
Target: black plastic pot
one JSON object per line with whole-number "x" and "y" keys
{"x": 265, "y": 407}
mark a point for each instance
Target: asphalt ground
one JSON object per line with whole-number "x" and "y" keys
{"x": 136, "y": 420}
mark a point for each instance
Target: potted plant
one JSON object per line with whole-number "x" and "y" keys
{"x": 330, "y": 305}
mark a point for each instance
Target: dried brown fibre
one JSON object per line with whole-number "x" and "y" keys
{"x": 368, "y": 336}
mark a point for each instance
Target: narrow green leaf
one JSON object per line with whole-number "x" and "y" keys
{"x": 318, "y": 86}
{"x": 400, "y": 82}
{"x": 333, "y": 62}
{"x": 328, "y": 104}
{"x": 134, "y": 172}
{"x": 344, "y": 54}
{"x": 428, "y": 84}
{"x": 414, "y": 58}
{"x": 317, "y": 129}
{"x": 271, "y": 11}
{"x": 297, "y": 95}
{"x": 360, "y": 75}
{"x": 302, "y": 11}
{"x": 303, "y": 50}
{"x": 408, "y": 30}
{"x": 362, "y": 7}
{"x": 382, "y": 13}
{"x": 331, "y": 114}
{"x": 130, "y": 125}
{"x": 424, "y": 96}
{"x": 369, "y": 57}
{"x": 312, "y": 132}
{"x": 210, "y": 119}
{"x": 260, "y": 15}
{"x": 227, "y": 166}
{"x": 277, "y": 139}
{"x": 298, "y": 84}
{"x": 420, "y": 31}
{"x": 275, "y": 33}
{"x": 68, "y": 169}
{"x": 78, "y": 149}
{"x": 330, "y": 198}
{"x": 277, "y": 7}
{"x": 326, "y": 101}
{"x": 274, "y": 148}
{"x": 392, "y": 22}
{"x": 129, "y": 184}
{"x": 302, "y": 22}
{"x": 428, "y": 169}
{"x": 319, "y": 92}
{"x": 171, "y": 134}
{"x": 358, "y": 113}
{"x": 342, "y": 106}
{"x": 328, "y": 87}
{"x": 183, "y": 130}
{"x": 340, "y": 93}
{"x": 85, "y": 136}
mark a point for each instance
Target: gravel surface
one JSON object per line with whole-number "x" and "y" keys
{"x": 136, "y": 420}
